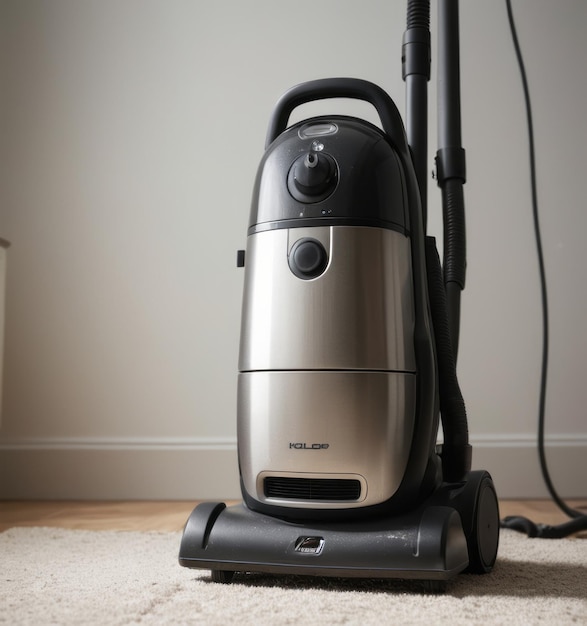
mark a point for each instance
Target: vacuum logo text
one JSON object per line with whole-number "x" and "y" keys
{"x": 308, "y": 446}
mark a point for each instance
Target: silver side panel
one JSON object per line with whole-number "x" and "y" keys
{"x": 358, "y": 314}
{"x": 352, "y": 425}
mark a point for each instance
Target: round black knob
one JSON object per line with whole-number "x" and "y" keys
{"x": 312, "y": 177}
{"x": 308, "y": 258}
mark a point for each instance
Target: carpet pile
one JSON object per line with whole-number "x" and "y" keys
{"x": 67, "y": 577}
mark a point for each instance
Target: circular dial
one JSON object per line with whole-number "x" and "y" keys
{"x": 312, "y": 177}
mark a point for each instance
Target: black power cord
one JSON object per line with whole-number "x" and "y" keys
{"x": 579, "y": 520}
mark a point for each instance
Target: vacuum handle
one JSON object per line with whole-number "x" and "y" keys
{"x": 325, "y": 88}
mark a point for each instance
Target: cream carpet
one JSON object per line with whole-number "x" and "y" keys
{"x": 55, "y": 576}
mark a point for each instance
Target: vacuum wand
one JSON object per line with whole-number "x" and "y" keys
{"x": 450, "y": 162}
{"x": 416, "y": 74}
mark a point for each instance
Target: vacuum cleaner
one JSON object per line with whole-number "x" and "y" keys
{"x": 347, "y": 363}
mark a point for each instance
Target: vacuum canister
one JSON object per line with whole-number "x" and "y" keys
{"x": 327, "y": 368}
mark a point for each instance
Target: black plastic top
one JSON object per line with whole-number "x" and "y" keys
{"x": 367, "y": 187}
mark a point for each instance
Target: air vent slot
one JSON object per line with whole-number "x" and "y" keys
{"x": 325, "y": 489}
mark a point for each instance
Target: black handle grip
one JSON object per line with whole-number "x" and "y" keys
{"x": 325, "y": 88}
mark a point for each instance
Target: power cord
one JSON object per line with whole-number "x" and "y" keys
{"x": 579, "y": 520}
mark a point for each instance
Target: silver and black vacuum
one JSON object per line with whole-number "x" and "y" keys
{"x": 347, "y": 357}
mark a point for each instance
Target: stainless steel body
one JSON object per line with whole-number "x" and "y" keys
{"x": 349, "y": 427}
{"x": 357, "y": 315}
{"x": 327, "y": 388}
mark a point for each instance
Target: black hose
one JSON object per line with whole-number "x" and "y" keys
{"x": 455, "y": 254}
{"x": 418, "y": 14}
{"x": 455, "y": 245}
{"x": 456, "y": 451}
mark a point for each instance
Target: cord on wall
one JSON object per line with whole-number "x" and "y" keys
{"x": 579, "y": 520}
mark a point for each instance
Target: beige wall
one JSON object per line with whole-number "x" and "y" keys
{"x": 131, "y": 132}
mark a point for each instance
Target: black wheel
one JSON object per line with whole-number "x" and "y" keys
{"x": 222, "y": 576}
{"x": 483, "y": 536}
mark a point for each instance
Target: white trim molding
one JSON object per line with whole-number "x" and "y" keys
{"x": 513, "y": 463}
{"x": 119, "y": 468}
{"x": 180, "y": 468}
{"x": 116, "y": 443}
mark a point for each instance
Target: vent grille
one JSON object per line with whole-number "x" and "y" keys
{"x": 329, "y": 489}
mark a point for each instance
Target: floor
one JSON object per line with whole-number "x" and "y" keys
{"x": 172, "y": 515}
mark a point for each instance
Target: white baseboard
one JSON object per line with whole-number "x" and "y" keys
{"x": 119, "y": 469}
{"x": 513, "y": 463}
{"x": 197, "y": 469}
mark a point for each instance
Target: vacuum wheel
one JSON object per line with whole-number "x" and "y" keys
{"x": 483, "y": 524}
{"x": 222, "y": 576}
